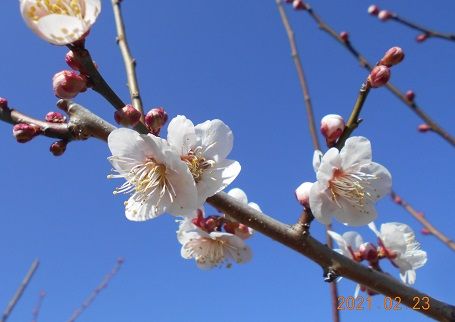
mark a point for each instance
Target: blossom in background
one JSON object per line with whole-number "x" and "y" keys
{"x": 399, "y": 244}
{"x": 60, "y": 22}
{"x": 204, "y": 149}
{"x": 348, "y": 184}
{"x": 158, "y": 180}
{"x": 349, "y": 243}
{"x": 237, "y": 228}
{"x": 209, "y": 246}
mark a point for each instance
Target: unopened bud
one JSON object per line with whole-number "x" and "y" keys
{"x": 344, "y": 35}
{"x": 24, "y": 132}
{"x": 3, "y": 103}
{"x": 379, "y": 76}
{"x": 55, "y": 117}
{"x": 67, "y": 84}
{"x": 423, "y": 128}
{"x": 425, "y": 231}
{"x": 127, "y": 116}
{"x": 368, "y": 252}
{"x": 384, "y": 15}
{"x": 299, "y": 5}
{"x": 58, "y": 148}
{"x": 155, "y": 120}
{"x": 373, "y": 10}
{"x": 421, "y": 37}
{"x": 410, "y": 95}
{"x": 332, "y": 126}
{"x": 392, "y": 57}
{"x": 72, "y": 60}
{"x": 238, "y": 194}
{"x": 397, "y": 200}
{"x": 302, "y": 193}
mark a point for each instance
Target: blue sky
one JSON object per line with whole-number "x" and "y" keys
{"x": 226, "y": 60}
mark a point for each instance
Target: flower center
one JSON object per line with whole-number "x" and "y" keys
{"x": 351, "y": 186}
{"x": 196, "y": 163}
{"x": 61, "y": 7}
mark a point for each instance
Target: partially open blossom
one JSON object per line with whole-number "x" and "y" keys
{"x": 67, "y": 84}
{"x": 373, "y": 10}
{"x": 302, "y": 193}
{"x": 204, "y": 149}
{"x": 155, "y": 120}
{"x": 3, "y": 103}
{"x": 401, "y": 247}
{"x": 410, "y": 95}
{"x": 421, "y": 37}
{"x": 379, "y": 76}
{"x": 348, "y": 184}
{"x": 55, "y": 117}
{"x": 127, "y": 116}
{"x": 332, "y": 126}
{"x": 211, "y": 248}
{"x": 60, "y": 22}
{"x": 155, "y": 176}
{"x": 393, "y": 56}
{"x": 344, "y": 35}
{"x": 384, "y": 15}
{"x": 423, "y": 128}
{"x": 58, "y": 148}
{"x": 299, "y": 5}
{"x": 24, "y": 132}
{"x": 349, "y": 243}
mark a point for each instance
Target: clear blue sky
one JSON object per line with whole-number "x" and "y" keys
{"x": 227, "y": 60}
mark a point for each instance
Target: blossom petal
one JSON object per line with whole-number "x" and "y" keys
{"x": 321, "y": 205}
{"x": 330, "y": 161}
{"x": 138, "y": 210}
{"x": 353, "y": 239}
{"x": 181, "y": 134}
{"x": 61, "y": 29}
{"x": 317, "y": 158}
{"x": 357, "y": 150}
{"x": 238, "y": 194}
{"x": 354, "y": 215}
{"x": 216, "y": 138}
{"x": 382, "y": 184}
{"x": 92, "y": 10}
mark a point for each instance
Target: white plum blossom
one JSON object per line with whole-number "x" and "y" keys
{"x": 211, "y": 249}
{"x": 348, "y": 184}
{"x": 60, "y": 22}
{"x": 158, "y": 180}
{"x": 349, "y": 243}
{"x": 204, "y": 149}
{"x": 402, "y": 248}
{"x": 317, "y": 158}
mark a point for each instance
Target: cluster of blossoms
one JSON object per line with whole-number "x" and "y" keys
{"x": 396, "y": 242}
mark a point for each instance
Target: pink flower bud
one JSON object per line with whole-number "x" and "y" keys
{"x": 368, "y": 252}
{"x": 421, "y": 37}
{"x": 344, "y": 35}
{"x": 332, "y": 126}
{"x": 423, "y": 128}
{"x": 397, "y": 200}
{"x": 379, "y": 76}
{"x": 3, "y": 103}
{"x": 67, "y": 84}
{"x": 410, "y": 95}
{"x": 55, "y": 117}
{"x": 299, "y": 5}
{"x": 384, "y": 15}
{"x": 127, "y": 116}
{"x": 155, "y": 120}
{"x": 58, "y": 148}
{"x": 302, "y": 193}
{"x": 392, "y": 57}
{"x": 425, "y": 231}
{"x": 24, "y": 132}
{"x": 373, "y": 10}
{"x": 72, "y": 60}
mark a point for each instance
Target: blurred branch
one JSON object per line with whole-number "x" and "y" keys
{"x": 421, "y": 218}
{"x": 130, "y": 62}
{"x": 37, "y": 309}
{"x": 20, "y": 290}
{"x": 365, "y": 64}
{"x": 104, "y": 283}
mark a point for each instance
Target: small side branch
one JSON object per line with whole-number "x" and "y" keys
{"x": 428, "y": 32}
{"x": 37, "y": 309}
{"x": 20, "y": 291}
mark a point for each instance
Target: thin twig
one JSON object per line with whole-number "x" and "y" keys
{"x": 422, "y": 219}
{"x": 130, "y": 62}
{"x": 37, "y": 309}
{"x": 104, "y": 283}
{"x": 20, "y": 290}
{"x": 365, "y": 64}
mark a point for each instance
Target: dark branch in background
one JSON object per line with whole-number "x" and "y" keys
{"x": 365, "y": 64}
{"x": 89, "y": 300}
{"x": 421, "y": 218}
{"x": 130, "y": 62}
{"x": 20, "y": 290}
{"x": 314, "y": 136}
{"x": 37, "y": 309}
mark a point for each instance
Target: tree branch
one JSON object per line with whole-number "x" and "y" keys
{"x": 37, "y": 309}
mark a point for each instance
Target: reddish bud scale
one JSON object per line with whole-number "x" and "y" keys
{"x": 127, "y": 116}
{"x": 373, "y": 10}
{"x": 368, "y": 252}
{"x": 299, "y": 5}
{"x": 393, "y": 56}
{"x": 344, "y": 36}
{"x": 410, "y": 95}
{"x": 379, "y": 76}
{"x": 3, "y": 103}
{"x": 398, "y": 200}
{"x": 58, "y": 148}
{"x": 423, "y": 128}
{"x": 421, "y": 37}
{"x": 425, "y": 231}
{"x": 55, "y": 117}
{"x": 24, "y": 132}
{"x": 72, "y": 60}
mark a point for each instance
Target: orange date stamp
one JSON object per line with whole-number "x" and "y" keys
{"x": 360, "y": 303}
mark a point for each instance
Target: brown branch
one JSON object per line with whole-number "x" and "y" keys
{"x": 20, "y": 290}
{"x": 130, "y": 62}
{"x": 104, "y": 283}
{"x": 421, "y": 218}
{"x": 37, "y": 309}
{"x": 365, "y": 64}
{"x": 327, "y": 258}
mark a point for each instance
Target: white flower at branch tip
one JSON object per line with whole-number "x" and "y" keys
{"x": 349, "y": 243}
{"x": 60, "y": 22}
{"x": 348, "y": 184}
{"x": 204, "y": 149}
{"x": 211, "y": 249}
{"x": 158, "y": 180}
{"x": 402, "y": 248}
